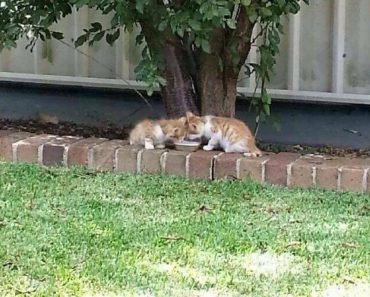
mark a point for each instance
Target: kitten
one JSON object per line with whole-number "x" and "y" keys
{"x": 230, "y": 134}
{"x": 155, "y": 134}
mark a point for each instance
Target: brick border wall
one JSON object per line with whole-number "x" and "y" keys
{"x": 283, "y": 169}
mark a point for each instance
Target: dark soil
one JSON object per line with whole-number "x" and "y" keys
{"x": 324, "y": 150}
{"x": 113, "y": 132}
{"x": 65, "y": 128}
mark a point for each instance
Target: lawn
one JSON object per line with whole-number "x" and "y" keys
{"x": 68, "y": 232}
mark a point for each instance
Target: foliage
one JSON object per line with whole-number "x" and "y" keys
{"x": 270, "y": 29}
{"x": 189, "y": 24}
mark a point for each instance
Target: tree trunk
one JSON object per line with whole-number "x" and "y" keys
{"x": 218, "y": 88}
{"x": 178, "y": 93}
{"x": 219, "y": 70}
{"x": 218, "y": 78}
{"x": 209, "y": 87}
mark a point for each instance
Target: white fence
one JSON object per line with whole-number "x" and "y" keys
{"x": 324, "y": 56}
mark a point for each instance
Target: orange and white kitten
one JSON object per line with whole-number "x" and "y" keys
{"x": 155, "y": 134}
{"x": 230, "y": 134}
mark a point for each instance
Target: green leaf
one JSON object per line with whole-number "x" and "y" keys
{"x": 252, "y": 15}
{"x": 109, "y": 39}
{"x": 162, "y": 81}
{"x": 96, "y": 27}
{"x": 231, "y": 23}
{"x": 205, "y": 46}
{"x": 195, "y": 25}
{"x": 150, "y": 91}
{"x": 99, "y": 36}
{"x": 162, "y": 25}
{"x": 116, "y": 35}
{"x": 47, "y": 34}
{"x": 266, "y": 12}
{"x": 280, "y": 28}
{"x": 180, "y": 31}
{"x": 281, "y": 3}
{"x": 81, "y": 40}
{"x": 57, "y": 35}
{"x": 140, "y": 5}
{"x": 292, "y": 7}
{"x": 80, "y": 3}
{"x": 266, "y": 98}
{"x": 266, "y": 109}
{"x": 139, "y": 39}
{"x": 246, "y": 2}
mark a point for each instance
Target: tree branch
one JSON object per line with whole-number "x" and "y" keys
{"x": 242, "y": 36}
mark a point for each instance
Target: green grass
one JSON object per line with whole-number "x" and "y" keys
{"x": 73, "y": 233}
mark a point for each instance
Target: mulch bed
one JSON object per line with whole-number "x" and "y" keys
{"x": 324, "y": 150}
{"x": 65, "y": 128}
{"x": 114, "y": 132}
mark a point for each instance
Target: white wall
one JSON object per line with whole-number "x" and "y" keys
{"x": 324, "y": 56}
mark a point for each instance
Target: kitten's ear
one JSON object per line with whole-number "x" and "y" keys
{"x": 189, "y": 114}
{"x": 182, "y": 120}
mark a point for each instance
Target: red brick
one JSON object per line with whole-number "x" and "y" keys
{"x": 302, "y": 173}
{"x": 327, "y": 173}
{"x": 253, "y": 168}
{"x": 150, "y": 161}
{"x": 225, "y": 165}
{"x": 6, "y": 143}
{"x": 175, "y": 163}
{"x": 352, "y": 179}
{"x": 78, "y": 152}
{"x": 28, "y": 150}
{"x": 276, "y": 168}
{"x": 5, "y": 132}
{"x": 102, "y": 155}
{"x": 327, "y": 176}
{"x": 54, "y": 152}
{"x": 126, "y": 158}
{"x": 354, "y": 175}
{"x": 201, "y": 164}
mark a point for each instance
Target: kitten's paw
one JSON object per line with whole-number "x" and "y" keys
{"x": 149, "y": 146}
{"x": 160, "y": 146}
{"x": 207, "y": 148}
{"x": 253, "y": 154}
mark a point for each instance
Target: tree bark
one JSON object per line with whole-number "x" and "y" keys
{"x": 218, "y": 78}
{"x": 219, "y": 70}
{"x": 178, "y": 94}
{"x": 218, "y": 88}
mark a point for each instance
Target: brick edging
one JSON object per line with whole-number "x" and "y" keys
{"x": 283, "y": 169}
